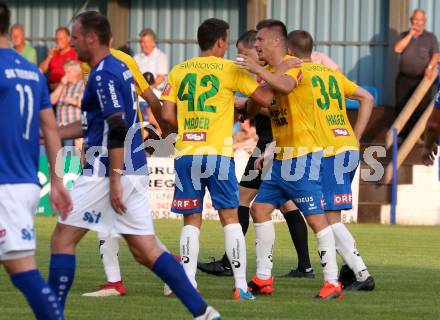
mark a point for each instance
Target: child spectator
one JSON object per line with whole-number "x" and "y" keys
{"x": 68, "y": 94}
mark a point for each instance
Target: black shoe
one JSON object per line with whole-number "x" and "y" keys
{"x": 216, "y": 268}
{"x": 346, "y": 276}
{"x": 298, "y": 273}
{"x": 367, "y": 285}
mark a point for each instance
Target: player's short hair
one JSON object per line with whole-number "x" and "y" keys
{"x": 63, "y": 29}
{"x": 275, "y": 25}
{"x": 301, "y": 43}
{"x": 247, "y": 39}
{"x": 72, "y": 64}
{"x": 5, "y": 18}
{"x": 210, "y": 31}
{"x": 93, "y": 21}
{"x": 148, "y": 32}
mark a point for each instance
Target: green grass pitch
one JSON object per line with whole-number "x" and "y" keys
{"x": 405, "y": 262}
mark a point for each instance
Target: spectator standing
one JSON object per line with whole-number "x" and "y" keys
{"x": 68, "y": 95}
{"x": 18, "y": 42}
{"x": 418, "y": 50}
{"x": 152, "y": 59}
{"x": 57, "y": 56}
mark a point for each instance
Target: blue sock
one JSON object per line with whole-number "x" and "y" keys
{"x": 172, "y": 273}
{"x": 61, "y": 273}
{"x": 38, "y": 294}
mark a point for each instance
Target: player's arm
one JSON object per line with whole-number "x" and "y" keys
{"x": 113, "y": 110}
{"x": 72, "y": 130}
{"x": 169, "y": 116}
{"x": 366, "y": 101}
{"x": 262, "y": 97}
{"x": 59, "y": 196}
{"x": 280, "y": 83}
{"x": 432, "y": 132}
{"x": 154, "y": 105}
{"x": 117, "y": 132}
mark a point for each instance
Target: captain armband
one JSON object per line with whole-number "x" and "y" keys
{"x": 117, "y": 131}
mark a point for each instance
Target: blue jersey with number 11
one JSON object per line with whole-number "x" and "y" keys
{"x": 23, "y": 93}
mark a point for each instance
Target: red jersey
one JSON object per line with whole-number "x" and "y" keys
{"x": 56, "y": 71}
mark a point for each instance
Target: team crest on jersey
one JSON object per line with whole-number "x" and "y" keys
{"x": 340, "y": 132}
{"x": 194, "y": 136}
{"x": 2, "y": 233}
{"x": 344, "y": 198}
{"x": 166, "y": 90}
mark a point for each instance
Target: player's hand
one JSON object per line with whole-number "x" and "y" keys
{"x": 258, "y": 164}
{"x": 289, "y": 64}
{"x": 412, "y": 31}
{"x": 116, "y": 196}
{"x": 248, "y": 63}
{"x": 428, "y": 155}
{"x": 60, "y": 198}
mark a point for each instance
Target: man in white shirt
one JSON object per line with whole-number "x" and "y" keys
{"x": 151, "y": 59}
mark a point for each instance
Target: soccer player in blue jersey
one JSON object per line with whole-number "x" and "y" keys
{"x": 24, "y": 109}
{"x": 110, "y": 196}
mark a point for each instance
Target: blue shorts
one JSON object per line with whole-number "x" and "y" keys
{"x": 195, "y": 173}
{"x": 297, "y": 179}
{"x": 337, "y": 174}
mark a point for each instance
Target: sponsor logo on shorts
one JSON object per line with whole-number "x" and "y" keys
{"x": 28, "y": 234}
{"x": 194, "y": 136}
{"x": 92, "y": 217}
{"x": 344, "y": 198}
{"x": 2, "y": 233}
{"x": 304, "y": 199}
{"x": 186, "y": 204}
{"x": 185, "y": 259}
{"x": 340, "y": 132}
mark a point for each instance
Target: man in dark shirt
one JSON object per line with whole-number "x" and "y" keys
{"x": 418, "y": 50}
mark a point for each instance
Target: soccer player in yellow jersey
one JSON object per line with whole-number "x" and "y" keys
{"x": 198, "y": 100}
{"x": 296, "y": 169}
{"x": 109, "y": 246}
{"x": 341, "y": 153}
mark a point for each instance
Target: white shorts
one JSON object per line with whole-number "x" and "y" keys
{"x": 18, "y": 205}
{"x": 92, "y": 208}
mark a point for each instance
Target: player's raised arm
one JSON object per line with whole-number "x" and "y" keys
{"x": 154, "y": 104}
{"x": 282, "y": 83}
{"x": 59, "y": 196}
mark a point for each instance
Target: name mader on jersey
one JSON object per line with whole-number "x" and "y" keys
{"x": 23, "y": 94}
{"x": 110, "y": 90}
